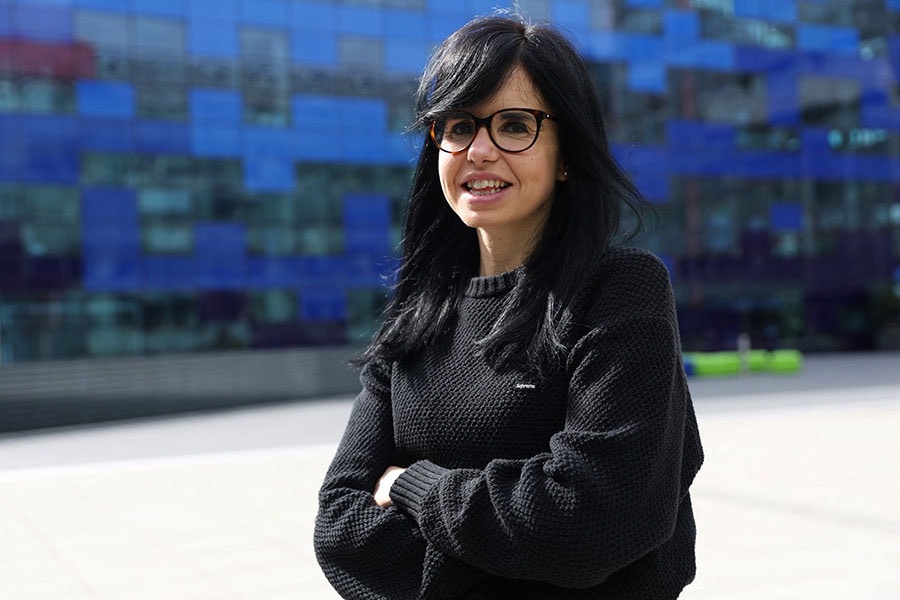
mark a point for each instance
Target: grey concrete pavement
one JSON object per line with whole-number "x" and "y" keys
{"x": 798, "y": 498}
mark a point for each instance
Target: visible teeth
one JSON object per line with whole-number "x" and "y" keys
{"x": 480, "y": 184}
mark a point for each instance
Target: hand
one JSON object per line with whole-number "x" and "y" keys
{"x": 382, "y": 491}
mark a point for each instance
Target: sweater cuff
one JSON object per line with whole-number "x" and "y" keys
{"x": 409, "y": 490}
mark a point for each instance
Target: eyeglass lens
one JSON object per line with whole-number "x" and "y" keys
{"x": 511, "y": 130}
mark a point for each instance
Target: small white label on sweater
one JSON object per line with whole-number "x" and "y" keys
{"x": 525, "y": 386}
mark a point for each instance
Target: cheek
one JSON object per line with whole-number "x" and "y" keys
{"x": 446, "y": 173}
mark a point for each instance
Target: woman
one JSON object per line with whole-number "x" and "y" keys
{"x": 524, "y": 429}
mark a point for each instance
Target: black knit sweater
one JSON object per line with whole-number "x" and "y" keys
{"x": 569, "y": 486}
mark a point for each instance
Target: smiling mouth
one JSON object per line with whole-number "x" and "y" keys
{"x": 485, "y": 187}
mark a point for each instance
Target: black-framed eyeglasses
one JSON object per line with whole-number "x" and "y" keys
{"x": 511, "y": 129}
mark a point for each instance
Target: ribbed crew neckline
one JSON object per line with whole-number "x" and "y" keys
{"x": 492, "y": 285}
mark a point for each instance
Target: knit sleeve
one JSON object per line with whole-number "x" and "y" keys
{"x": 608, "y": 490}
{"x": 366, "y": 552}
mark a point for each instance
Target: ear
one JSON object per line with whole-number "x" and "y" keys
{"x": 562, "y": 172}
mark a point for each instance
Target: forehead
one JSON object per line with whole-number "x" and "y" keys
{"x": 517, "y": 91}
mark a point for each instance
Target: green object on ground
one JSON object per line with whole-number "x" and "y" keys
{"x": 758, "y": 360}
{"x": 716, "y": 364}
{"x": 785, "y": 361}
{"x": 719, "y": 364}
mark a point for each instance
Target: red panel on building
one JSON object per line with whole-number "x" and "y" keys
{"x": 60, "y": 61}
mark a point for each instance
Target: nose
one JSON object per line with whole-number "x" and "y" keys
{"x": 482, "y": 147}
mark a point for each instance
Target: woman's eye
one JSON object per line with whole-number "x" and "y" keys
{"x": 515, "y": 127}
{"x": 460, "y": 128}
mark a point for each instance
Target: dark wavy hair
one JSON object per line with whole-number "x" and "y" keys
{"x": 440, "y": 253}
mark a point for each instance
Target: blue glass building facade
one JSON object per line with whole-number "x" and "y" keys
{"x": 202, "y": 175}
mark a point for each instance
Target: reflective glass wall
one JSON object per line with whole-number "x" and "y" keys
{"x": 199, "y": 175}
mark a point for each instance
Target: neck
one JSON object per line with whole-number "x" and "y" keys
{"x": 499, "y": 254}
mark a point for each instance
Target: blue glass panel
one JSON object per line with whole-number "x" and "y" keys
{"x": 269, "y": 142}
{"x": 7, "y": 27}
{"x": 110, "y": 205}
{"x": 654, "y": 186}
{"x": 401, "y": 149}
{"x": 162, "y": 137}
{"x": 483, "y": 7}
{"x": 49, "y": 128}
{"x": 277, "y": 272}
{"x": 103, "y": 272}
{"x": 765, "y": 164}
{"x": 318, "y": 144}
{"x": 402, "y": 24}
{"x": 375, "y": 271}
{"x": 439, "y": 26}
{"x": 215, "y": 106}
{"x": 606, "y": 45}
{"x": 168, "y": 273}
{"x": 821, "y": 38}
{"x": 42, "y": 22}
{"x": 693, "y": 134}
{"x": 360, "y": 20}
{"x": 681, "y": 24}
{"x": 207, "y": 37}
{"x": 323, "y": 305}
{"x": 268, "y": 174}
{"x": 106, "y": 134}
{"x": 642, "y": 48}
{"x": 50, "y": 150}
{"x": 815, "y": 141}
{"x": 756, "y": 58}
{"x": 703, "y": 54}
{"x": 269, "y": 13}
{"x": 314, "y": 49}
{"x": 109, "y": 239}
{"x": 217, "y": 139}
{"x": 218, "y": 274}
{"x": 647, "y": 77}
{"x": 112, "y": 5}
{"x": 11, "y": 146}
{"x": 442, "y": 8}
{"x": 644, "y": 158}
{"x": 373, "y": 242}
{"x": 876, "y": 168}
{"x": 213, "y": 9}
{"x": 699, "y": 163}
{"x": 894, "y": 51}
{"x": 105, "y": 99}
{"x": 163, "y": 8}
{"x": 220, "y": 240}
{"x": 316, "y": 111}
{"x": 56, "y": 3}
{"x": 319, "y": 17}
{"x": 367, "y": 211}
{"x": 784, "y": 99}
{"x": 404, "y": 56}
{"x": 373, "y": 112}
{"x": 322, "y": 271}
{"x": 571, "y": 14}
{"x": 644, "y": 3}
{"x": 878, "y": 116}
{"x": 784, "y": 11}
{"x": 363, "y": 150}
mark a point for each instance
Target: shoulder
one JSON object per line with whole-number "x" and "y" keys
{"x": 631, "y": 261}
{"x": 627, "y": 282}
{"x": 375, "y": 376}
